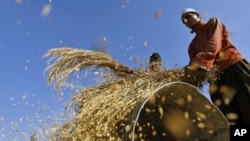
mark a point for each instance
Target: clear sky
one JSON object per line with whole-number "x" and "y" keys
{"x": 128, "y": 28}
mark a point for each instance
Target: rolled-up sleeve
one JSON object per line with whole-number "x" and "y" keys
{"x": 211, "y": 45}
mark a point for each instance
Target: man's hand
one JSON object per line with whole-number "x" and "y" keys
{"x": 190, "y": 71}
{"x": 196, "y": 72}
{"x": 195, "y": 76}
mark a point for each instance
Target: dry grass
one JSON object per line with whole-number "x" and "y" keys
{"x": 69, "y": 60}
{"x": 102, "y": 111}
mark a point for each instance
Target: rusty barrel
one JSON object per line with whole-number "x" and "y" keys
{"x": 177, "y": 111}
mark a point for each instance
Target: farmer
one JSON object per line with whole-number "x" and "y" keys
{"x": 155, "y": 62}
{"x": 212, "y": 47}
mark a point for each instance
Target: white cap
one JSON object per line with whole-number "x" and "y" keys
{"x": 188, "y": 10}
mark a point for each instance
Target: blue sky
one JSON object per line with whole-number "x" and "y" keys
{"x": 129, "y": 28}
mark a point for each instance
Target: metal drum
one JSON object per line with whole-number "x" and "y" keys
{"x": 177, "y": 111}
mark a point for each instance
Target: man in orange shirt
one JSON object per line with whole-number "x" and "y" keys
{"x": 212, "y": 47}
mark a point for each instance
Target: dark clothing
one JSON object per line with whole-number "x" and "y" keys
{"x": 234, "y": 85}
{"x": 211, "y": 46}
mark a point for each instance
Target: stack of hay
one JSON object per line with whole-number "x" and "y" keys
{"x": 102, "y": 111}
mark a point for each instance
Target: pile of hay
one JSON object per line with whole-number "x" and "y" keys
{"x": 102, "y": 111}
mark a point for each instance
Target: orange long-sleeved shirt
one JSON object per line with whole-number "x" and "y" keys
{"x": 211, "y": 46}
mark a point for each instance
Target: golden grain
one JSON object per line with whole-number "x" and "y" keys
{"x": 103, "y": 108}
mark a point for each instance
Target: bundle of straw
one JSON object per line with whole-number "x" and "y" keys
{"x": 103, "y": 111}
{"x": 69, "y": 60}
